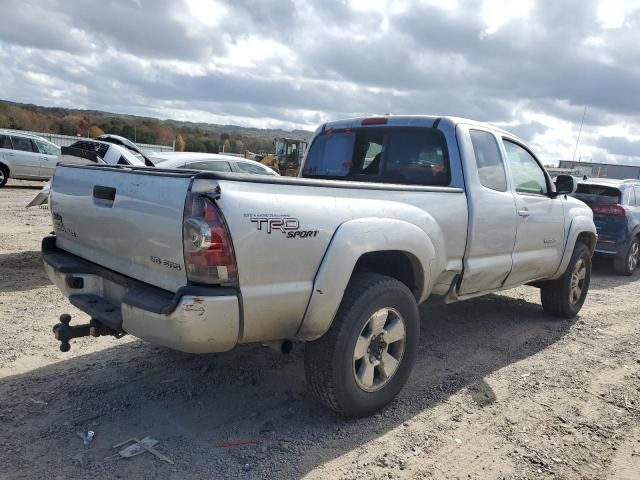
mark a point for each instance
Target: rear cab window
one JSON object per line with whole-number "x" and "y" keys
{"x": 400, "y": 155}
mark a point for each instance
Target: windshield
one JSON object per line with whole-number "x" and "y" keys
{"x": 380, "y": 154}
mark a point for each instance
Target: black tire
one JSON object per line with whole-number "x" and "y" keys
{"x": 627, "y": 264}
{"x": 556, "y": 295}
{"x": 4, "y": 175}
{"x": 330, "y": 366}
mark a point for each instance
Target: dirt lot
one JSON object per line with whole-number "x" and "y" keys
{"x": 499, "y": 391}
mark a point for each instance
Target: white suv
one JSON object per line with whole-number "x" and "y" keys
{"x": 26, "y": 157}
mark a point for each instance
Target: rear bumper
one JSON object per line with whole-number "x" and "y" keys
{"x": 194, "y": 319}
{"x": 612, "y": 247}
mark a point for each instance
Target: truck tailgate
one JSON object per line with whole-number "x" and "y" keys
{"x": 127, "y": 220}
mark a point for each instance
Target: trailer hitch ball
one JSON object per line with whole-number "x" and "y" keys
{"x": 65, "y": 320}
{"x": 64, "y": 332}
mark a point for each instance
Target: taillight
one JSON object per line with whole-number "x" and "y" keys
{"x": 613, "y": 210}
{"x": 208, "y": 251}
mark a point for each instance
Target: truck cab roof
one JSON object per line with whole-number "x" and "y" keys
{"x": 429, "y": 121}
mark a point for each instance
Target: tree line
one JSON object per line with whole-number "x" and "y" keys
{"x": 187, "y": 137}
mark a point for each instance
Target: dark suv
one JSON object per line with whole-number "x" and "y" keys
{"x": 616, "y": 213}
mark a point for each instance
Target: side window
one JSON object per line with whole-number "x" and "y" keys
{"x": 631, "y": 198}
{"x": 23, "y": 144}
{"x": 215, "y": 166}
{"x": 488, "y": 160}
{"x": 5, "y": 142}
{"x": 47, "y": 148}
{"x": 417, "y": 157}
{"x": 249, "y": 168}
{"x": 526, "y": 173}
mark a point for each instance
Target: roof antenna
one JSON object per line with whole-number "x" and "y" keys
{"x": 579, "y": 132}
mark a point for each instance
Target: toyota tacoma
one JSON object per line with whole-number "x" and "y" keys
{"x": 386, "y": 212}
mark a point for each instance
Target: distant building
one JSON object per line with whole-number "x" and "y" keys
{"x": 604, "y": 170}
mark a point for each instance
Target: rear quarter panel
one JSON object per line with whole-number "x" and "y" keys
{"x": 281, "y": 233}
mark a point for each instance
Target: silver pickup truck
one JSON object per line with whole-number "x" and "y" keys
{"x": 388, "y": 211}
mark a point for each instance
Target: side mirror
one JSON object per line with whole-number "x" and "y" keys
{"x": 565, "y": 185}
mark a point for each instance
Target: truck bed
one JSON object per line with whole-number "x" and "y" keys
{"x": 281, "y": 229}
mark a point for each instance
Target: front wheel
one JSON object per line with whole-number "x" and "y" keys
{"x": 627, "y": 264}
{"x": 565, "y": 296}
{"x": 362, "y": 362}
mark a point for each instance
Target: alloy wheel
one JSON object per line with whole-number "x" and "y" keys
{"x": 633, "y": 256}
{"x": 577, "y": 281}
{"x": 379, "y": 349}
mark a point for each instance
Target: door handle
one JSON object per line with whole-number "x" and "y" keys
{"x": 524, "y": 212}
{"x": 12, "y": 154}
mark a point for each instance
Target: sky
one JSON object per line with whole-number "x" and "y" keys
{"x": 528, "y": 66}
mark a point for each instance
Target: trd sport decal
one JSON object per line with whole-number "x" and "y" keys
{"x": 285, "y": 224}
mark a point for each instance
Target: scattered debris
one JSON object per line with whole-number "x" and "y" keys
{"x": 87, "y": 437}
{"x": 141, "y": 446}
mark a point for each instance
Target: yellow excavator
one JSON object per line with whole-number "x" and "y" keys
{"x": 287, "y": 157}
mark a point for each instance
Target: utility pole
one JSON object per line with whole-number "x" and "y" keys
{"x": 579, "y": 132}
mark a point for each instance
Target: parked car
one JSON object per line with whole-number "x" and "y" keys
{"x": 616, "y": 214}
{"x": 26, "y": 157}
{"x": 128, "y": 144}
{"x": 211, "y": 162}
{"x": 87, "y": 151}
{"x": 389, "y": 211}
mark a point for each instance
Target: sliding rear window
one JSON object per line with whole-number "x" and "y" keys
{"x": 416, "y": 156}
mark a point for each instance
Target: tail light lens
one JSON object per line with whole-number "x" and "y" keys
{"x": 208, "y": 251}
{"x": 613, "y": 210}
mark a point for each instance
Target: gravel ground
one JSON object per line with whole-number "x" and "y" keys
{"x": 500, "y": 390}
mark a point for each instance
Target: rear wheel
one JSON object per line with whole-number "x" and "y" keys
{"x": 565, "y": 296}
{"x": 627, "y": 264}
{"x": 4, "y": 175}
{"x": 366, "y": 356}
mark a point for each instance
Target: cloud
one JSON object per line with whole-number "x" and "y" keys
{"x": 294, "y": 63}
{"x": 620, "y": 146}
